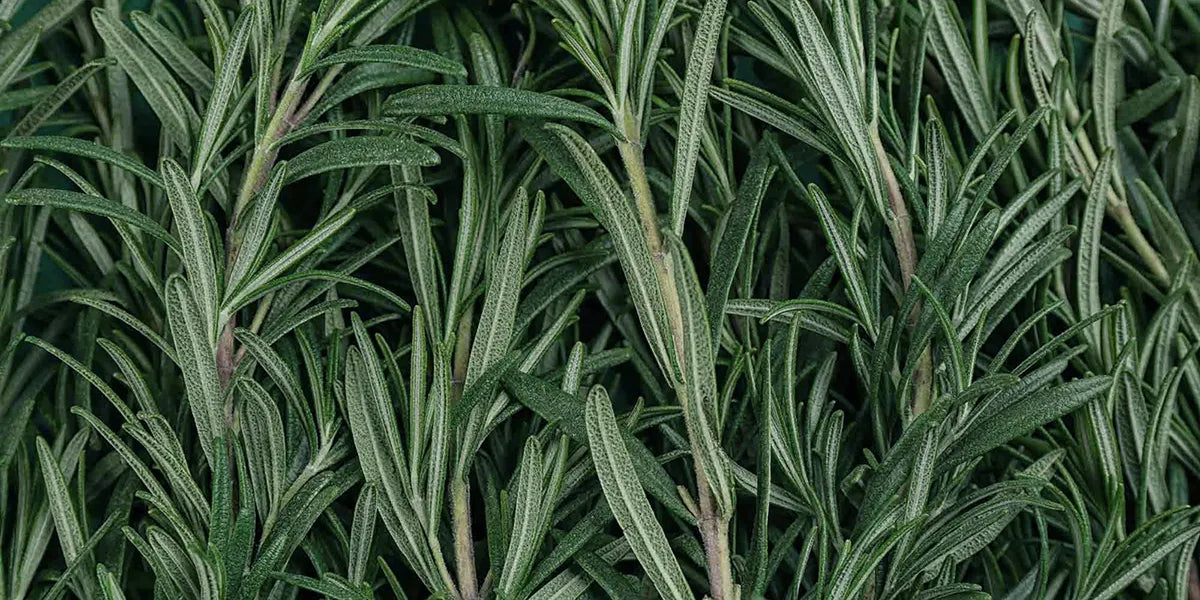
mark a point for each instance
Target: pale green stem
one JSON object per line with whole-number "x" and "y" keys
{"x": 464, "y": 544}
{"x": 714, "y": 527}
{"x": 899, "y": 223}
{"x": 260, "y": 163}
{"x": 460, "y": 491}
{"x": 318, "y": 92}
{"x": 1117, "y": 207}
{"x": 260, "y": 316}
{"x": 900, "y": 226}
{"x": 264, "y": 152}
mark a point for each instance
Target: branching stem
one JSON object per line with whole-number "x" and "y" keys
{"x": 261, "y": 163}
{"x": 714, "y": 527}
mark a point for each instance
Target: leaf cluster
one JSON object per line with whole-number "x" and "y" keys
{"x": 573, "y": 299}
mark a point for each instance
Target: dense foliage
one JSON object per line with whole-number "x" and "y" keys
{"x": 562, "y": 299}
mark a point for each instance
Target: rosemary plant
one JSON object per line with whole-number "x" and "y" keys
{"x": 574, "y": 299}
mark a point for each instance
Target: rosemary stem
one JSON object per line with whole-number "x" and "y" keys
{"x": 900, "y": 226}
{"x": 464, "y": 544}
{"x": 714, "y": 527}
{"x": 460, "y": 491}
{"x": 260, "y": 164}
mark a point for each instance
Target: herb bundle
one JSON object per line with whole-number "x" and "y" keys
{"x": 567, "y": 299}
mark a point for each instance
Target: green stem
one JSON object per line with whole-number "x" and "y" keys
{"x": 714, "y": 532}
{"x": 264, "y": 152}
{"x": 1086, "y": 158}
{"x": 714, "y": 527}
{"x": 631, "y": 155}
{"x": 1119, "y": 210}
{"x": 899, "y": 223}
{"x": 460, "y": 492}
{"x": 260, "y": 164}
{"x": 900, "y": 226}
{"x": 464, "y": 544}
